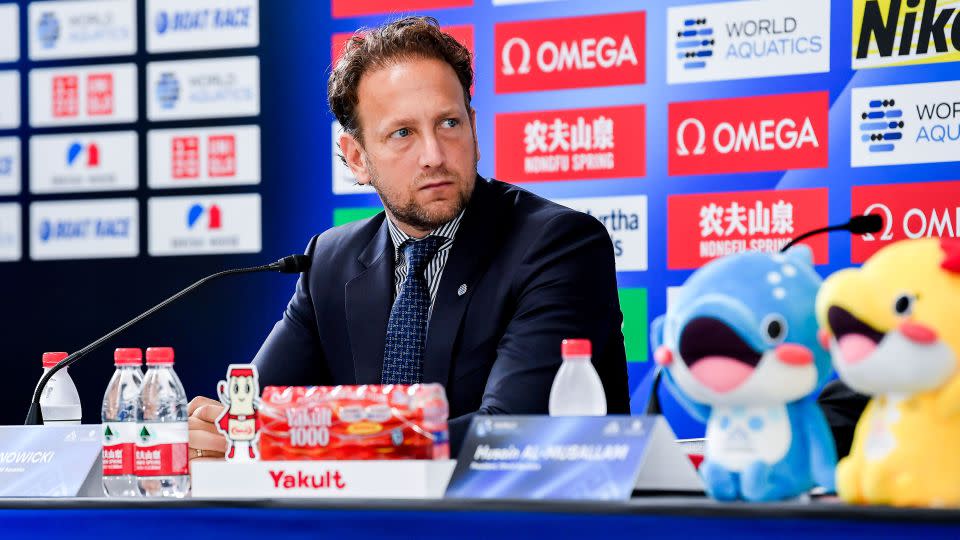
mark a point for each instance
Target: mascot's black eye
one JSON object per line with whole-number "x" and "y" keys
{"x": 774, "y": 328}
{"x": 903, "y": 305}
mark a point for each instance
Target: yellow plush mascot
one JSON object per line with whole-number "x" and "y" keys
{"x": 893, "y": 330}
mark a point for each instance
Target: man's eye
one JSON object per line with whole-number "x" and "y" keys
{"x": 400, "y": 133}
{"x": 451, "y": 122}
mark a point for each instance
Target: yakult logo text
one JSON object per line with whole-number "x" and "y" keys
{"x": 703, "y": 227}
{"x": 917, "y": 210}
{"x": 764, "y": 133}
{"x": 572, "y": 144}
{"x": 602, "y": 50}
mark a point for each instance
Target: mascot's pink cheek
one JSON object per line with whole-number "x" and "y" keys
{"x": 855, "y": 347}
{"x": 720, "y": 373}
{"x": 794, "y": 355}
{"x": 824, "y": 338}
{"x": 918, "y": 333}
{"x": 663, "y": 356}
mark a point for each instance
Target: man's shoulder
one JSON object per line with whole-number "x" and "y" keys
{"x": 531, "y": 211}
{"x": 349, "y": 238}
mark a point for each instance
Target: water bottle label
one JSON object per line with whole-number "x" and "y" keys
{"x": 161, "y": 449}
{"x": 119, "y": 440}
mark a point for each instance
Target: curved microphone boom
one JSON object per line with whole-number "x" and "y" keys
{"x": 870, "y": 223}
{"x": 291, "y": 264}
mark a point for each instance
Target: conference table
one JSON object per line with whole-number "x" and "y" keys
{"x": 642, "y": 517}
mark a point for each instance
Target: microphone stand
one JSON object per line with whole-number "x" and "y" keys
{"x": 290, "y": 264}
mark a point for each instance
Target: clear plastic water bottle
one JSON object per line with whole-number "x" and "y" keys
{"x": 161, "y": 463}
{"x": 119, "y": 416}
{"x": 59, "y": 401}
{"x": 577, "y": 390}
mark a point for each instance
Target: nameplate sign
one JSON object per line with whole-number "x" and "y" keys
{"x": 380, "y": 479}
{"x": 587, "y": 458}
{"x": 50, "y": 461}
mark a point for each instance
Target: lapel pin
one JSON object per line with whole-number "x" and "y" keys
{"x": 462, "y": 290}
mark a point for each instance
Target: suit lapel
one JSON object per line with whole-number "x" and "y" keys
{"x": 368, "y": 299}
{"x": 475, "y": 241}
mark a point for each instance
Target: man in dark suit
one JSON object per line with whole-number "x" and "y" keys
{"x": 460, "y": 281}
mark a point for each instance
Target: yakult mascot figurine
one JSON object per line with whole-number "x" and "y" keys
{"x": 739, "y": 350}
{"x": 893, "y": 328}
{"x": 239, "y": 422}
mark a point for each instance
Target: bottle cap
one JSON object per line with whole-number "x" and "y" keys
{"x": 159, "y": 356}
{"x": 51, "y": 359}
{"x": 575, "y": 347}
{"x": 127, "y": 357}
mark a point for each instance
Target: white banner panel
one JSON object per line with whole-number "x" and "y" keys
{"x": 82, "y": 95}
{"x": 907, "y": 123}
{"x": 87, "y": 229}
{"x": 625, "y": 219}
{"x": 83, "y": 162}
{"x": 10, "y": 104}
{"x": 9, "y": 33}
{"x": 195, "y": 157}
{"x": 199, "y": 225}
{"x": 742, "y": 40}
{"x": 10, "y": 166}
{"x": 82, "y": 28}
{"x": 203, "y": 88}
{"x": 344, "y": 183}
{"x": 184, "y": 25}
{"x": 10, "y": 249}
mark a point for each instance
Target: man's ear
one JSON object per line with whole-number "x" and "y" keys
{"x": 473, "y": 125}
{"x": 353, "y": 154}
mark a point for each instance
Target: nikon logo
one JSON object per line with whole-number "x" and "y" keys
{"x": 904, "y": 32}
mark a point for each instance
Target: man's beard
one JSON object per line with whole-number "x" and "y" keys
{"x": 415, "y": 215}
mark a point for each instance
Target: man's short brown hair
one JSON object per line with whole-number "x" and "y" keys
{"x": 370, "y": 49}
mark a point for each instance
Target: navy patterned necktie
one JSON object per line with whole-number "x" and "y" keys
{"x": 407, "y": 328}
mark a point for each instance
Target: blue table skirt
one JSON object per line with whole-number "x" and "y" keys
{"x": 275, "y": 520}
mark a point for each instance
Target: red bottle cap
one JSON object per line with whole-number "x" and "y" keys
{"x": 51, "y": 359}
{"x": 127, "y": 357}
{"x": 159, "y": 356}
{"x": 575, "y": 347}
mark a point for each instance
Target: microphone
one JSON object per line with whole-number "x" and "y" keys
{"x": 291, "y": 264}
{"x": 870, "y": 223}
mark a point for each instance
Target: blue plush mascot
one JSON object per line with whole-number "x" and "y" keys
{"x": 739, "y": 349}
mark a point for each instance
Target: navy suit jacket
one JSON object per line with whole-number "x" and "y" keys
{"x": 535, "y": 273}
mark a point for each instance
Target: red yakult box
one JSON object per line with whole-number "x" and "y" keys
{"x": 354, "y": 422}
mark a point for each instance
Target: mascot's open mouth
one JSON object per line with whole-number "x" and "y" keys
{"x": 855, "y": 338}
{"x": 715, "y": 355}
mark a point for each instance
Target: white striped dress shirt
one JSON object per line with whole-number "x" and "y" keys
{"x": 435, "y": 268}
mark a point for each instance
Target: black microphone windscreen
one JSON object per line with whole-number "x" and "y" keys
{"x": 870, "y": 223}
{"x": 293, "y": 264}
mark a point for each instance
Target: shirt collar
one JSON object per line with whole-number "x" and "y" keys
{"x": 447, "y": 231}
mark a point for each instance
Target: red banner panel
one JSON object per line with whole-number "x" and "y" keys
{"x": 763, "y": 133}
{"x": 463, "y": 33}
{"x": 575, "y": 52}
{"x": 703, "y": 227}
{"x": 354, "y": 8}
{"x": 573, "y": 144}
{"x": 917, "y": 210}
